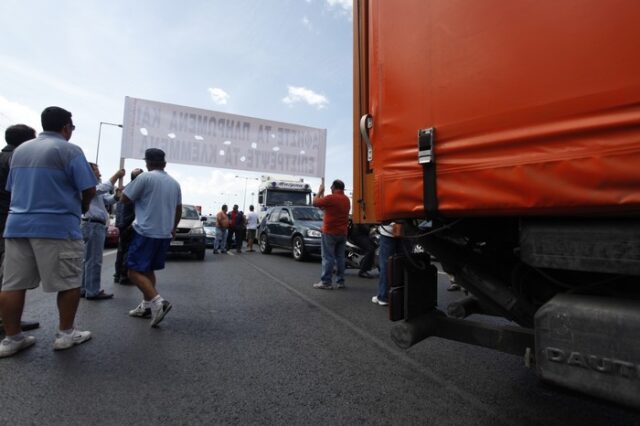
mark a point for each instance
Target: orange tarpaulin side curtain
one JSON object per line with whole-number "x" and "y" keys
{"x": 535, "y": 106}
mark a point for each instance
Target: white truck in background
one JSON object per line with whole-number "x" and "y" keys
{"x": 282, "y": 192}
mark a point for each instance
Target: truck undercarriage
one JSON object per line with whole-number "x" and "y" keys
{"x": 514, "y": 266}
{"x": 551, "y": 277}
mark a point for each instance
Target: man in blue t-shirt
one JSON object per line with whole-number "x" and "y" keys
{"x": 51, "y": 185}
{"x": 158, "y": 209}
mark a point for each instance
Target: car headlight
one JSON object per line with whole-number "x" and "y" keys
{"x": 313, "y": 233}
{"x": 197, "y": 231}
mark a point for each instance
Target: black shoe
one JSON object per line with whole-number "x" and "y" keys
{"x": 100, "y": 296}
{"x": 364, "y": 274}
{"x": 24, "y": 325}
{"x": 29, "y": 325}
{"x": 125, "y": 281}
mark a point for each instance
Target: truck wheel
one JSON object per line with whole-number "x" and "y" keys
{"x": 299, "y": 253}
{"x": 265, "y": 248}
{"x": 200, "y": 255}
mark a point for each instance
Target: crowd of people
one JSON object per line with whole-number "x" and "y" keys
{"x": 53, "y": 210}
{"x": 53, "y": 214}
{"x": 233, "y": 228}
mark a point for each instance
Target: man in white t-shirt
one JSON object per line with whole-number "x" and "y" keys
{"x": 252, "y": 226}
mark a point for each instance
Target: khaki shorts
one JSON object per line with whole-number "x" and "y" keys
{"x": 55, "y": 263}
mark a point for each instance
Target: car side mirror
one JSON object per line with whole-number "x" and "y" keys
{"x": 284, "y": 220}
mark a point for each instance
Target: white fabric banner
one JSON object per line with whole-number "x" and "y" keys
{"x": 215, "y": 139}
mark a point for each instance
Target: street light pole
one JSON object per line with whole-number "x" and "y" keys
{"x": 244, "y": 195}
{"x": 100, "y": 134}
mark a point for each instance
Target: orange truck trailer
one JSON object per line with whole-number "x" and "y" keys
{"x": 505, "y": 137}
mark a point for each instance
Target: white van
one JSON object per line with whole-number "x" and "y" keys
{"x": 190, "y": 236}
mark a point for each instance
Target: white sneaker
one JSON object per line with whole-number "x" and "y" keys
{"x": 323, "y": 286}
{"x": 140, "y": 311}
{"x": 10, "y": 347}
{"x": 158, "y": 312}
{"x": 375, "y": 299}
{"x": 66, "y": 341}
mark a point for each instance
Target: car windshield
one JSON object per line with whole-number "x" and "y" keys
{"x": 287, "y": 198}
{"x": 307, "y": 213}
{"x": 190, "y": 212}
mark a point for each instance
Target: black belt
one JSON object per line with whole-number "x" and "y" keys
{"x": 101, "y": 222}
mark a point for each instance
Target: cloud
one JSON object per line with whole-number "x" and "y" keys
{"x": 302, "y": 94}
{"x": 218, "y": 95}
{"x": 14, "y": 113}
{"x": 342, "y": 7}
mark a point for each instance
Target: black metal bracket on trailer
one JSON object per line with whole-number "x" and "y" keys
{"x": 512, "y": 340}
{"x": 413, "y": 300}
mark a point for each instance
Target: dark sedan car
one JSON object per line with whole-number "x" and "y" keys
{"x": 295, "y": 228}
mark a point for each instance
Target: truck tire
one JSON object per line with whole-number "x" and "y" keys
{"x": 265, "y": 247}
{"x": 298, "y": 249}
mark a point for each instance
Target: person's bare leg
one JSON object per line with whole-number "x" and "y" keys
{"x": 146, "y": 282}
{"x": 12, "y": 304}
{"x": 68, "y": 301}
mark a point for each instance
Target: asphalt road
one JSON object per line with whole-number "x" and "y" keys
{"x": 249, "y": 341}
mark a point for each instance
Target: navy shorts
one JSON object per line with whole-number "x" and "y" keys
{"x": 147, "y": 254}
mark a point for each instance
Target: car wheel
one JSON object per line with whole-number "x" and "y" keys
{"x": 200, "y": 255}
{"x": 265, "y": 247}
{"x": 298, "y": 248}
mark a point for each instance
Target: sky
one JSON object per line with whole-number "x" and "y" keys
{"x": 280, "y": 60}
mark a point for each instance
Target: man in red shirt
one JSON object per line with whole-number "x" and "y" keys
{"x": 336, "y": 208}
